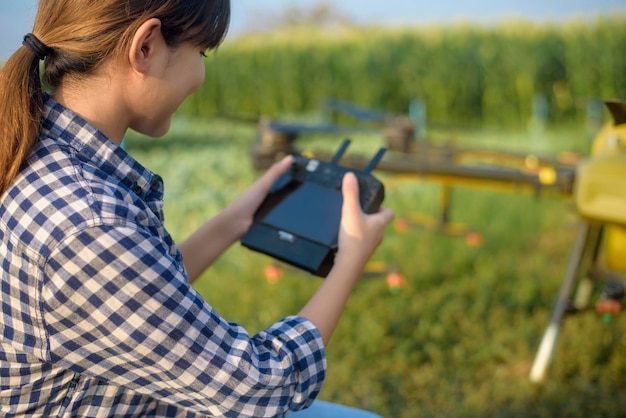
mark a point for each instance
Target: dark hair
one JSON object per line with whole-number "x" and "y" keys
{"x": 80, "y": 35}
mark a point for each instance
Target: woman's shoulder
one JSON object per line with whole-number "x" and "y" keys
{"x": 57, "y": 194}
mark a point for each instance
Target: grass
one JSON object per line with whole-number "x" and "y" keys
{"x": 459, "y": 338}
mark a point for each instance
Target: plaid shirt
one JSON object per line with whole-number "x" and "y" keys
{"x": 98, "y": 315}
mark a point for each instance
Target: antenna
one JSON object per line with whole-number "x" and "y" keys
{"x": 374, "y": 161}
{"x": 342, "y": 148}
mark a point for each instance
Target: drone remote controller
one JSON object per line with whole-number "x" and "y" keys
{"x": 298, "y": 222}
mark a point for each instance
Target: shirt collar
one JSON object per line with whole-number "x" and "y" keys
{"x": 92, "y": 145}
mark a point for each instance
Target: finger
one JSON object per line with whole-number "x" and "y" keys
{"x": 385, "y": 215}
{"x": 281, "y": 166}
{"x": 350, "y": 192}
{"x": 275, "y": 171}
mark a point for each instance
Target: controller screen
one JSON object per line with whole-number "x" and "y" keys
{"x": 306, "y": 210}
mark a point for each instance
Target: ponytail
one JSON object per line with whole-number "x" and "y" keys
{"x": 21, "y": 108}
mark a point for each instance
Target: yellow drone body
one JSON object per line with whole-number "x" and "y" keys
{"x": 601, "y": 185}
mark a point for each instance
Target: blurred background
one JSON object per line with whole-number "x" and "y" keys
{"x": 450, "y": 312}
{"x": 16, "y": 16}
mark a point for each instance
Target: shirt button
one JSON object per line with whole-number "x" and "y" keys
{"x": 137, "y": 189}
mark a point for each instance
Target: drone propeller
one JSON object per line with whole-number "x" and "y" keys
{"x": 297, "y": 128}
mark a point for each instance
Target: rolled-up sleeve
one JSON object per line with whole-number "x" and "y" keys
{"x": 117, "y": 306}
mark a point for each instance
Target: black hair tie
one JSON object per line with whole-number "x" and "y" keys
{"x": 34, "y": 44}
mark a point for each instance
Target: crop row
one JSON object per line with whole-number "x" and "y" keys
{"x": 504, "y": 74}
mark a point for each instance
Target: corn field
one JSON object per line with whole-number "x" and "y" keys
{"x": 502, "y": 75}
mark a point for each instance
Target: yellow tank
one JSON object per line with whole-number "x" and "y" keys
{"x": 601, "y": 188}
{"x": 601, "y": 179}
{"x": 601, "y": 185}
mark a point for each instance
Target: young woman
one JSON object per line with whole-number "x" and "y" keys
{"x": 99, "y": 317}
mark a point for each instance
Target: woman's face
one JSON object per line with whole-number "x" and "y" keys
{"x": 181, "y": 72}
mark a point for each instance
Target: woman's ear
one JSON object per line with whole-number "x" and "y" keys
{"x": 147, "y": 41}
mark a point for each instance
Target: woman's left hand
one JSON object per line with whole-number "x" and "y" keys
{"x": 214, "y": 236}
{"x": 242, "y": 210}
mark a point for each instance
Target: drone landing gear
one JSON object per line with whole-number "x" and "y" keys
{"x": 586, "y": 251}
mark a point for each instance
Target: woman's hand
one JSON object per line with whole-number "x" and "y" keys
{"x": 242, "y": 210}
{"x": 359, "y": 236}
{"x": 205, "y": 245}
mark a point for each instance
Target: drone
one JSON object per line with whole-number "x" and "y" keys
{"x": 598, "y": 255}
{"x": 413, "y": 157}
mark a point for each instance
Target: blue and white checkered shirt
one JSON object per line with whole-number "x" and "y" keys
{"x": 98, "y": 315}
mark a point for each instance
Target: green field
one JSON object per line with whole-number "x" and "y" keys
{"x": 459, "y": 338}
{"x": 498, "y": 74}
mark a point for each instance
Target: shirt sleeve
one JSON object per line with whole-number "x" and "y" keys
{"x": 119, "y": 307}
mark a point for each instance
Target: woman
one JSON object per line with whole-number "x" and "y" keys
{"x": 99, "y": 317}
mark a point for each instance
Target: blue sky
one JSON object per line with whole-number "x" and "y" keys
{"x": 16, "y": 16}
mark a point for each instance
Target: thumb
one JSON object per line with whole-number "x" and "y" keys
{"x": 350, "y": 192}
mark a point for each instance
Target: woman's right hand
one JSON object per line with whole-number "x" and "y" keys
{"x": 359, "y": 236}
{"x": 360, "y": 233}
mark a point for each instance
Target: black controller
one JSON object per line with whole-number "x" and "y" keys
{"x": 298, "y": 222}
